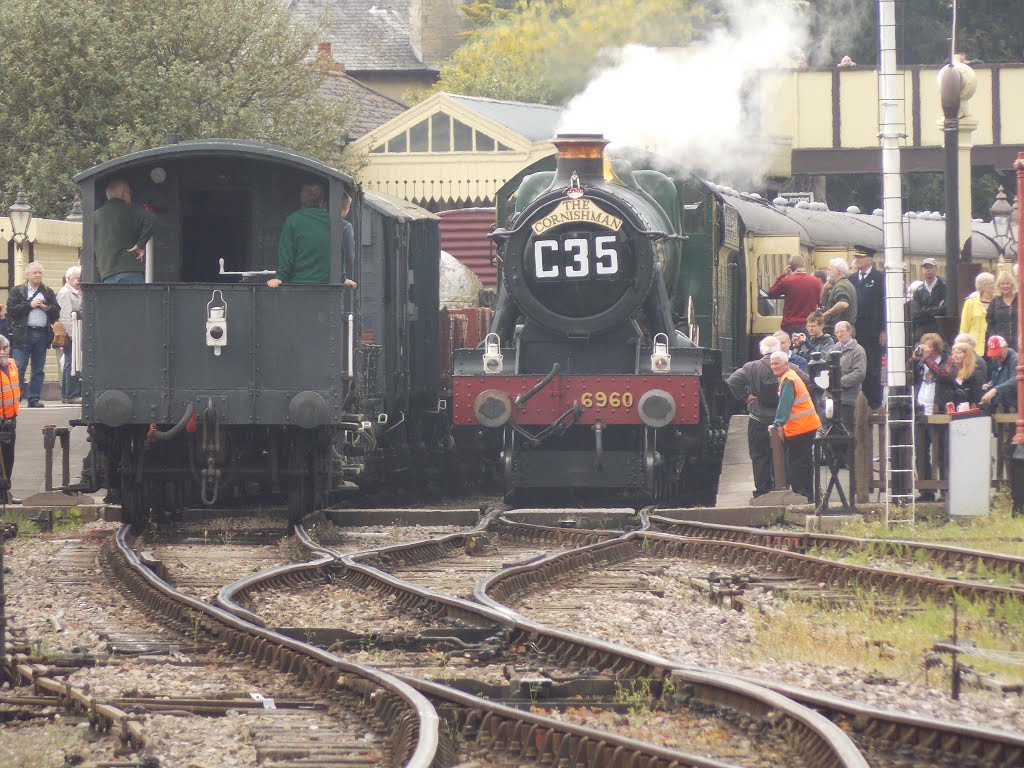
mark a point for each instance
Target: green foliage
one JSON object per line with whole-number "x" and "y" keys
{"x": 987, "y": 30}
{"x": 483, "y": 13}
{"x": 547, "y": 50}
{"x": 87, "y": 80}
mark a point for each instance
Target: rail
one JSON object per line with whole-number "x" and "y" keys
{"x": 417, "y": 739}
{"x": 826, "y": 744}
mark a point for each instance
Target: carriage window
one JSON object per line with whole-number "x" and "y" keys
{"x": 769, "y": 267}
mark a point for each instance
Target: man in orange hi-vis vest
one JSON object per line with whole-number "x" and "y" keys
{"x": 799, "y": 422}
{"x": 10, "y": 399}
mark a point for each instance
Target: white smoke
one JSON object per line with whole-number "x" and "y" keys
{"x": 699, "y": 107}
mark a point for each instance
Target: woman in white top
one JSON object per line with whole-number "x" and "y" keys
{"x": 70, "y": 300}
{"x": 930, "y": 396}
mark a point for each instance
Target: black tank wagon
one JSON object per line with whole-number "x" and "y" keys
{"x": 206, "y": 386}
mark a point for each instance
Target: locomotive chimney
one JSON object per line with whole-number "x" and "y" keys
{"x": 582, "y": 153}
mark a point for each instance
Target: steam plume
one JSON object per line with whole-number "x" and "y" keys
{"x": 700, "y": 106}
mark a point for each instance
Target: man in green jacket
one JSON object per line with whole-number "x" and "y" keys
{"x": 121, "y": 233}
{"x": 304, "y": 249}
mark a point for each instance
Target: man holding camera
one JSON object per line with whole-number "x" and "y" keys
{"x": 32, "y": 309}
{"x": 10, "y": 400}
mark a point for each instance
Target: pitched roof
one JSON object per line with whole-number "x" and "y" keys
{"x": 369, "y": 108}
{"x": 535, "y": 122}
{"x": 365, "y": 35}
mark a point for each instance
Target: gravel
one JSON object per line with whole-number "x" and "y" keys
{"x": 683, "y": 626}
{"x": 57, "y": 594}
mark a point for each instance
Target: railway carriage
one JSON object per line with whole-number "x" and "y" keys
{"x": 205, "y": 386}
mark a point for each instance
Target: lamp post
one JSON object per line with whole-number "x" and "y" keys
{"x": 1017, "y": 469}
{"x": 20, "y": 214}
{"x": 950, "y": 83}
{"x": 1001, "y": 218}
{"x": 76, "y": 210}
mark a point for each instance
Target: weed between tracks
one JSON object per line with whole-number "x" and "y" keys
{"x": 877, "y": 555}
{"x": 63, "y": 520}
{"x": 995, "y": 532}
{"x": 890, "y": 637}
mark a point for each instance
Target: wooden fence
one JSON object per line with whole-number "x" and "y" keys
{"x": 872, "y": 456}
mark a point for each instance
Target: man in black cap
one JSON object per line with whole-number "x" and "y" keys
{"x": 928, "y": 301}
{"x": 870, "y": 321}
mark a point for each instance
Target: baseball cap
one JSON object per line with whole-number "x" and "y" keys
{"x": 929, "y": 263}
{"x": 994, "y": 345}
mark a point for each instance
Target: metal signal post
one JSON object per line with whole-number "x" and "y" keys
{"x": 1017, "y": 469}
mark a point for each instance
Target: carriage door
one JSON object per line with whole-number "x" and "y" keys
{"x": 215, "y": 224}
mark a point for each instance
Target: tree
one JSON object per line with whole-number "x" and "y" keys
{"x": 546, "y": 50}
{"x": 987, "y": 30}
{"x": 87, "y": 80}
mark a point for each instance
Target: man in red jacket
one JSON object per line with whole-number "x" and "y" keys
{"x": 801, "y": 291}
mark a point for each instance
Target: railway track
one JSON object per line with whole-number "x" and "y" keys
{"x": 876, "y": 731}
{"x": 965, "y": 563}
{"x": 545, "y": 671}
{"x": 565, "y": 676}
{"x": 358, "y": 700}
{"x": 883, "y": 731}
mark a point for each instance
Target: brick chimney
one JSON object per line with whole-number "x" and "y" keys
{"x": 435, "y": 27}
{"x": 323, "y": 49}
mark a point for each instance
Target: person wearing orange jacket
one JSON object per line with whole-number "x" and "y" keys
{"x": 10, "y": 401}
{"x": 799, "y": 422}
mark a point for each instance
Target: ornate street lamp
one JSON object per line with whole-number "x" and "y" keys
{"x": 20, "y": 214}
{"x": 1001, "y": 213}
{"x": 76, "y": 210}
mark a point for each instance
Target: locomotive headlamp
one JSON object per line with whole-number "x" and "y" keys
{"x": 492, "y": 354}
{"x": 661, "y": 360}
{"x": 217, "y": 322}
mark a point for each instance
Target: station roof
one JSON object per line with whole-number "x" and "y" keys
{"x": 535, "y": 122}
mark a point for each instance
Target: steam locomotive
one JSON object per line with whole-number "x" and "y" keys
{"x": 584, "y": 382}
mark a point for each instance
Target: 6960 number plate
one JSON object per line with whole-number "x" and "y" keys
{"x": 606, "y": 399}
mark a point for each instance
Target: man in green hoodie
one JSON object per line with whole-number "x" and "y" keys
{"x": 304, "y": 250}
